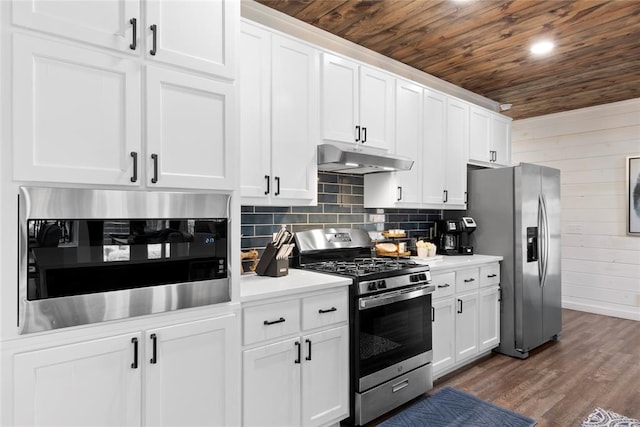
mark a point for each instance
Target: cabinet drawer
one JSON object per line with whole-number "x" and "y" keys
{"x": 444, "y": 284}
{"x": 490, "y": 274}
{"x": 268, "y": 321}
{"x": 323, "y": 310}
{"x": 467, "y": 279}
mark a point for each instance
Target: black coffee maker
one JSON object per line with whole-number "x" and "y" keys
{"x": 453, "y": 236}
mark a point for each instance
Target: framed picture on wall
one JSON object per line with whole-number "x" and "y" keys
{"x": 633, "y": 196}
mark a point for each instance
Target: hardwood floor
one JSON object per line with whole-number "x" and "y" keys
{"x": 595, "y": 363}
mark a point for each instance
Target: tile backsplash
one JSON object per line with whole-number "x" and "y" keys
{"x": 340, "y": 204}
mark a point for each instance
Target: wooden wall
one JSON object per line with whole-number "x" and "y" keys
{"x": 600, "y": 262}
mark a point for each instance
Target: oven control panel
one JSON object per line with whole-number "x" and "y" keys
{"x": 378, "y": 285}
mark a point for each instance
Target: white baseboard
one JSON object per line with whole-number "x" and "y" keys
{"x": 624, "y": 313}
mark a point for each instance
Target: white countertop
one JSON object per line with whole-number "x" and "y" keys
{"x": 254, "y": 287}
{"x": 457, "y": 261}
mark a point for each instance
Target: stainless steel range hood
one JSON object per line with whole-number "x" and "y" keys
{"x": 334, "y": 159}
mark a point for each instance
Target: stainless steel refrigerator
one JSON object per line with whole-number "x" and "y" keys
{"x": 517, "y": 211}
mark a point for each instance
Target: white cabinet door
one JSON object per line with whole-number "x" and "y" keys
{"x": 195, "y": 34}
{"x": 294, "y": 126}
{"x": 254, "y": 83}
{"x": 466, "y": 326}
{"x": 192, "y": 373}
{"x": 103, "y": 23}
{"x": 501, "y": 138}
{"x": 434, "y": 146}
{"x": 443, "y": 331}
{"x": 76, "y": 114}
{"x": 376, "y": 108}
{"x": 456, "y": 154}
{"x": 325, "y": 376}
{"x": 90, "y": 383}
{"x": 409, "y": 140}
{"x": 271, "y": 384}
{"x": 340, "y": 99}
{"x": 480, "y": 146}
{"x": 489, "y": 318}
{"x": 190, "y": 135}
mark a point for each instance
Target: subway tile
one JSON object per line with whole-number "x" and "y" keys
{"x": 356, "y": 189}
{"x": 322, "y": 218}
{"x": 351, "y": 199}
{"x": 345, "y": 218}
{"x": 307, "y": 209}
{"x": 329, "y": 208}
{"x": 296, "y": 228}
{"x": 418, "y": 217}
{"x": 327, "y": 177}
{"x": 327, "y": 198}
{"x": 345, "y": 189}
{"x": 254, "y": 242}
{"x": 273, "y": 209}
{"x": 247, "y": 230}
{"x": 397, "y": 218}
{"x": 289, "y": 218}
{"x": 267, "y": 230}
{"x": 331, "y": 188}
{"x": 351, "y": 179}
{"x": 256, "y": 219}
{"x": 246, "y": 209}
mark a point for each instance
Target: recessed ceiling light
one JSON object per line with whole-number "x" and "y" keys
{"x": 542, "y": 47}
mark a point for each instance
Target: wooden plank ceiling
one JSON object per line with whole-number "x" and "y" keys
{"x": 483, "y": 45}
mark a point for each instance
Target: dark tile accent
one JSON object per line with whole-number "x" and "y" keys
{"x": 340, "y": 205}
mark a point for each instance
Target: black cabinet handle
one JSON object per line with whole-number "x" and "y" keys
{"x": 268, "y": 184}
{"x": 491, "y": 275}
{"x": 297, "y": 344}
{"x": 459, "y": 306}
{"x": 134, "y": 155}
{"x": 321, "y": 311}
{"x": 154, "y": 351}
{"x": 134, "y": 22}
{"x": 154, "y": 32}
{"x": 445, "y": 196}
{"x": 273, "y": 322}
{"x": 469, "y": 280}
{"x": 433, "y": 314}
{"x": 134, "y": 365}
{"x": 364, "y": 135}
{"x": 446, "y": 285}
{"x": 465, "y": 197}
{"x": 154, "y": 157}
{"x": 500, "y": 294}
{"x": 277, "y": 193}
{"x": 358, "y": 135}
{"x": 399, "y": 193}
{"x": 308, "y": 341}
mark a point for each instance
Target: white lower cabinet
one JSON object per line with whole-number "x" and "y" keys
{"x": 296, "y": 375}
{"x": 189, "y": 379}
{"x": 466, "y": 316}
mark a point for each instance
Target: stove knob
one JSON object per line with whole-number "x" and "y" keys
{"x": 414, "y": 278}
{"x": 382, "y": 284}
{"x": 373, "y": 286}
{"x": 423, "y": 276}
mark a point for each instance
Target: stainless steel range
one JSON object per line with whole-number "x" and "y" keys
{"x": 390, "y": 318}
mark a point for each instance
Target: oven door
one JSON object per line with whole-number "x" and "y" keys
{"x": 393, "y": 334}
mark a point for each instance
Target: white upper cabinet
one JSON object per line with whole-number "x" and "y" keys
{"x": 189, "y": 131}
{"x": 457, "y": 134}
{"x": 76, "y": 114}
{"x": 279, "y": 90}
{"x": 77, "y": 111}
{"x": 357, "y": 103}
{"x": 113, "y": 24}
{"x": 489, "y": 137}
{"x": 193, "y": 34}
{"x": 434, "y": 148}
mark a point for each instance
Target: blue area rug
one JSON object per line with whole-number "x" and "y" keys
{"x": 450, "y": 407}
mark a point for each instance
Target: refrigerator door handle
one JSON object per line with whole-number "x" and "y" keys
{"x": 540, "y": 242}
{"x": 547, "y": 237}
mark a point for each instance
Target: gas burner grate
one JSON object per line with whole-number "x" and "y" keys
{"x": 361, "y": 266}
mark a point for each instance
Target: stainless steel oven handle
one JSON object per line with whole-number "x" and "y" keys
{"x": 395, "y": 296}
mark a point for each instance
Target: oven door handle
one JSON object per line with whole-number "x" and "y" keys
{"x": 395, "y": 296}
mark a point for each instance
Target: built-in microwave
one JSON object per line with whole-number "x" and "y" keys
{"x": 94, "y": 255}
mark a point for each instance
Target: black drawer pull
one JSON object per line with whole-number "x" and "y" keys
{"x": 491, "y": 275}
{"x": 459, "y": 306}
{"x": 446, "y": 285}
{"x": 134, "y": 365}
{"x": 469, "y": 280}
{"x": 133, "y": 22}
{"x": 266, "y": 177}
{"x": 297, "y": 344}
{"x": 134, "y": 155}
{"x": 154, "y": 354}
{"x": 154, "y": 157}
{"x": 273, "y": 322}
{"x": 321, "y": 311}
{"x": 308, "y": 341}
{"x": 154, "y": 30}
